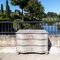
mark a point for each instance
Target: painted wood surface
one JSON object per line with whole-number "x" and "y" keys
{"x": 28, "y": 41}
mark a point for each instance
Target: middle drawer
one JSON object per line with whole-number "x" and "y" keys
{"x": 32, "y": 42}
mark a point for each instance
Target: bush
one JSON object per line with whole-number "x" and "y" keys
{"x": 4, "y": 19}
{"x": 26, "y": 25}
{"x": 16, "y": 24}
{"x": 3, "y": 16}
{"x": 58, "y": 27}
{"x": 49, "y": 21}
{"x": 26, "y": 18}
{"x": 15, "y": 16}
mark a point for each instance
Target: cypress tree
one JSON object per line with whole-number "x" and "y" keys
{"x": 1, "y": 8}
{"x": 7, "y": 9}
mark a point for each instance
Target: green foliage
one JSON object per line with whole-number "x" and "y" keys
{"x": 58, "y": 27}
{"x": 26, "y": 18}
{"x": 2, "y": 16}
{"x": 4, "y": 19}
{"x": 50, "y": 21}
{"x": 2, "y": 9}
{"x": 15, "y": 16}
{"x": 26, "y": 25}
{"x": 16, "y": 24}
{"x": 18, "y": 12}
{"x": 7, "y": 9}
{"x": 51, "y": 14}
{"x": 35, "y": 8}
{"x": 21, "y": 4}
{"x": 59, "y": 16}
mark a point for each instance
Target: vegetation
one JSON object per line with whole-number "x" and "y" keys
{"x": 17, "y": 24}
{"x": 50, "y": 20}
{"x": 51, "y": 17}
{"x": 34, "y": 11}
{"x": 7, "y": 9}
{"x": 20, "y": 3}
{"x": 1, "y": 8}
{"x": 35, "y": 8}
{"x": 15, "y": 16}
{"x": 52, "y": 14}
{"x": 5, "y": 19}
{"x": 5, "y": 14}
{"x": 29, "y": 6}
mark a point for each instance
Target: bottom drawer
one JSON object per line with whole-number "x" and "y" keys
{"x": 38, "y": 49}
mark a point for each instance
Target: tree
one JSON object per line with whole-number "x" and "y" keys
{"x": 35, "y": 8}
{"x": 59, "y": 15}
{"x": 1, "y": 8}
{"x": 7, "y": 9}
{"x": 20, "y": 3}
{"x": 39, "y": 11}
{"x": 17, "y": 25}
{"x": 52, "y": 14}
{"x": 15, "y": 16}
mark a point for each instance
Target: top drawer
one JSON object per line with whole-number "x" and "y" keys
{"x": 31, "y": 36}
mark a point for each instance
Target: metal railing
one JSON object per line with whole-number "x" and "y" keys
{"x": 6, "y": 27}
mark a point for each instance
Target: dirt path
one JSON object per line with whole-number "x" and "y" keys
{"x": 29, "y": 57}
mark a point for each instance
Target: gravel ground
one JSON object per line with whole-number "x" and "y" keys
{"x": 14, "y": 56}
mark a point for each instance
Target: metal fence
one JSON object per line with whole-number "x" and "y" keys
{"x": 53, "y": 28}
{"x": 6, "y": 27}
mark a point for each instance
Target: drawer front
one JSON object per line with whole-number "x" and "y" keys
{"x": 38, "y": 49}
{"x": 32, "y": 42}
{"x": 31, "y": 36}
{"x": 24, "y": 48}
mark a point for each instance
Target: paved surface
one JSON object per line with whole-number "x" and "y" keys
{"x": 53, "y": 50}
{"x": 10, "y": 54}
{"x": 29, "y": 56}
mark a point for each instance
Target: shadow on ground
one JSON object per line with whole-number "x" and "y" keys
{"x": 49, "y": 44}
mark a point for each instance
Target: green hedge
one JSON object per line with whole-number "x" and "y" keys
{"x": 4, "y": 19}
{"x": 17, "y": 24}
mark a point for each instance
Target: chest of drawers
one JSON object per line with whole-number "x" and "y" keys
{"x": 32, "y": 41}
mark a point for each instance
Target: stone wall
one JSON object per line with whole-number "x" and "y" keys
{"x": 7, "y": 40}
{"x": 10, "y": 40}
{"x": 55, "y": 40}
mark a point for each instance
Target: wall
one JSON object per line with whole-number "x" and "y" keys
{"x": 7, "y": 40}
{"x": 10, "y": 40}
{"x": 55, "y": 40}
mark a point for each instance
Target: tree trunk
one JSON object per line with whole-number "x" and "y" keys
{"x": 22, "y": 20}
{"x": 22, "y": 15}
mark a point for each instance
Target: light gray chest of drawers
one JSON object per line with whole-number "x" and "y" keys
{"x": 32, "y": 41}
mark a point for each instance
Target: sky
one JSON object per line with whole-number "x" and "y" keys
{"x": 49, "y": 5}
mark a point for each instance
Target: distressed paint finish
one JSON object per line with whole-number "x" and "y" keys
{"x": 32, "y": 41}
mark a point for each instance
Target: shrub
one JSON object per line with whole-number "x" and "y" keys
{"x": 58, "y": 27}
{"x": 16, "y": 24}
{"x": 7, "y": 9}
{"x": 49, "y": 21}
{"x": 26, "y": 25}
{"x": 1, "y": 11}
{"x": 15, "y": 16}
{"x": 4, "y": 19}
